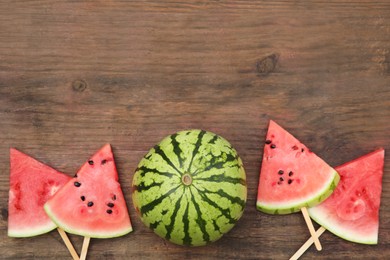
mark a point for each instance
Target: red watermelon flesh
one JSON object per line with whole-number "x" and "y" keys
{"x": 291, "y": 176}
{"x": 92, "y": 203}
{"x": 352, "y": 211}
{"x": 32, "y": 183}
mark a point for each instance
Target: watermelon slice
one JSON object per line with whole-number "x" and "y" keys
{"x": 291, "y": 176}
{"x": 92, "y": 203}
{"x": 32, "y": 183}
{"x": 352, "y": 211}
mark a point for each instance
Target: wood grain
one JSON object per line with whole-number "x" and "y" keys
{"x": 75, "y": 75}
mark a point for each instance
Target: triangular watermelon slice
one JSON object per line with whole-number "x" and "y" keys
{"x": 32, "y": 183}
{"x": 291, "y": 176}
{"x": 352, "y": 211}
{"x": 92, "y": 203}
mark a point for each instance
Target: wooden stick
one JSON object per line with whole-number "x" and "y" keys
{"x": 306, "y": 245}
{"x": 311, "y": 228}
{"x": 84, "y": 249}
{"x": 68, "y": 244}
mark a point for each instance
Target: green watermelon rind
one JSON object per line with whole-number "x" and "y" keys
{"x": 85, "y": 233}
{"x": 31, "y": 232}
{"x": 184, "y": 229}
{"x": 319, "y": 215}
{"x": 312, "y": 201}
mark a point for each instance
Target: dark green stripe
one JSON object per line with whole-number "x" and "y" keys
{"x": 173, "y": 217}
{"x": 159, "y": 151}
{"x": 176, "y": 149}
{"x": 224, "y": 212}
{"x": 186, "y": 223}
{"x": 221, "y": 178}
{"x": 214, "y": 139}
{"x": 142, "y": 187}
{"x": 196, "y": 149}
{"x": 199, "y": 220}
{"x": 221, "y": 193}
{"x": 217, "y": 162}
{"x": 150, "y": 206}
{"x": 145, "y": 170}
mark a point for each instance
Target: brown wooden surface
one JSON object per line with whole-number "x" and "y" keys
{"x": 77, "y": 74}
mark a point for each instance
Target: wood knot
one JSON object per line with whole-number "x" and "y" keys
{"x": 4, "y": 214}
{"x": 267, "y": 64}
{"x": 79, "y": 85}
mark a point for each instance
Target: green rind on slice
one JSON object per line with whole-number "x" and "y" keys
{"x": 343, "y": 233}
{"x": 315, "y": 199}
{"x": 30, "y": 232}
{"x": 87, "y": 233}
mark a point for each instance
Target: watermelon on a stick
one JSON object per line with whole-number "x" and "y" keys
{"x": 32, "y": 183}
{"x": 92, "y": 203}
{"x": 352, "y": 211}
{"x": 292, "y": 178}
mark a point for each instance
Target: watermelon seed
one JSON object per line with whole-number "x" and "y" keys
{"x": 75, "y": 175}
{"x": 77, "y": 184}
{"x": 302, "y": 150}
{"x": 280, "y": 172}
{"x": 281, "y": 179}
{"x": 104, "y": 162}
{"x": 273, "y": 146}
{"x": 268, "y": 141}
{"x": 290, "y": 173}
{"x": 279, "y": 182}
{"x": 289, "y": 181}
{"x": 82, "y": 198}
{"x": 295, "y": 147}
{"x": 109, "y": 211}
{"x": 90, "y": 204}
{"x": 90, "y": 162}
{"x": 114, "y": 197}
{"x": 110, "y": 204}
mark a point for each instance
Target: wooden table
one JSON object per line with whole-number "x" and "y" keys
{"x": 75, "y": 75}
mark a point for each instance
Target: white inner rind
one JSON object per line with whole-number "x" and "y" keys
{"x": 325, "y": 218}
{"x": 30, "y": 232}
{"x": 301, "y": 202}
{"x": 88, "y": 233}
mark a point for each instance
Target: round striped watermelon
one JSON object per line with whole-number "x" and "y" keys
{"x": 190, "y": 188}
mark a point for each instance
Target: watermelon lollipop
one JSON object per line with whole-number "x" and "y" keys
{"x": 92, "y": 203}
{"x": 292, "y": 177}
{"x": 32, "y": 183}
{"x": 352, "y": 211}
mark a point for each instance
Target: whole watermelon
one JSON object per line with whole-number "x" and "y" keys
{"x": 190, "y": 188}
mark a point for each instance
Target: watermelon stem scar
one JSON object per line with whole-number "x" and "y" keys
{"x": 186, "y": 179}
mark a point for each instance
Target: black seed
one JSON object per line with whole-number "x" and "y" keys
{"x": 281, "y": 179}
{"x": 279, "y": 182}
{"x": 289, "y": 181}
{"x": 77, "y": 184}
{"x": 110, "y": 204}
{"x": 104, "y": 161}
{"x": 302, "y": 150}
{"x": 90, "y": 162}
{"x": 75, "y": 175}
{"x": 268, "y": 141}
{"x": 82, "y": 198}
{"x": 90, "y": 204}
{"x": 109, "y": 211}
{"x": 273, "y": 146}
{"x": 290, "y": 173}
{"x": 114, "y": 197}
{"x": 280, "y": 172}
